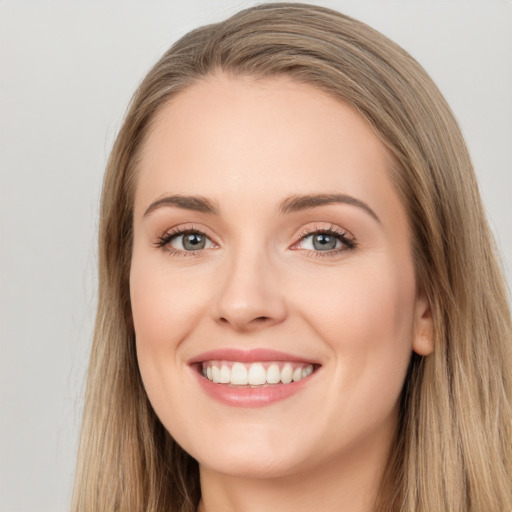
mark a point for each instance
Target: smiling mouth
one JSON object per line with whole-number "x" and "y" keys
{"x": 256, "y": 374}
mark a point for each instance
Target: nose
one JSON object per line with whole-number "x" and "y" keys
{"x": 250, "y": 296}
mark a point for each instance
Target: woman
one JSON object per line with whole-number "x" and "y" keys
{"x": 300, "y": 302}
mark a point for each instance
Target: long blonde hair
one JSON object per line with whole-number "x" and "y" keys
{"x": 453, "y": 447}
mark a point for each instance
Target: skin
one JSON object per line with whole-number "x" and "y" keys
{"x": 247, "y": 145}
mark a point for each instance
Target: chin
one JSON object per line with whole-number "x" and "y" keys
{"x": 253, "y": 453}
{"x": 253, "y": 465}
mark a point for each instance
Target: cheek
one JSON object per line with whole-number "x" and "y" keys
{"x": 366, "y": 316}
{"x": 164, "y": 304}
{"x": 365, "y": 299}
{"x": 161, "y": 316}
{"x": 153, "y": 310}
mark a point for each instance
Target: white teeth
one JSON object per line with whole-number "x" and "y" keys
{"x": 306, "y": 371}
{"x": 287, "y": 374}
{"x": 273, "y": 374}
{"x": 225, "y": 375}
{"x": 255, "y": 374}
{"x": 239, "y": 374}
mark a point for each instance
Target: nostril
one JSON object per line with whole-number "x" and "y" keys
{"x": 255, "y": 321}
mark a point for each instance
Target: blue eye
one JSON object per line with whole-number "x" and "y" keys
{"x": 189, "y": 242}
{"x": 326, "y": 240}
{"x": 185, "y": 241}
{"x": 321, "y": 242}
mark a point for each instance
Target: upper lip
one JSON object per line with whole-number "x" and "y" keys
{"x": 248, "y": 356}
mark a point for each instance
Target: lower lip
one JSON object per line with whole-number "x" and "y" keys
{"x": 236, "y": 396}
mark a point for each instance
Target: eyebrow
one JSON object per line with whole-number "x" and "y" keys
{"x": 195, "y": 203}
{"x": 298, "y": 203}
{"x": 290, "y": 205}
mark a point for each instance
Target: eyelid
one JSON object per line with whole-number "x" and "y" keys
{"x": 163, "y": 241}
{"x": 347, "y": 239}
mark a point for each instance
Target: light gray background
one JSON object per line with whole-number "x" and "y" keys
{"x": 67, "y": 71}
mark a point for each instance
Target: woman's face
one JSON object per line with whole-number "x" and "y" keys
{"x": 272, "y": 285}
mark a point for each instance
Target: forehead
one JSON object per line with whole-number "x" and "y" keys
{"x": 260, "y": 140}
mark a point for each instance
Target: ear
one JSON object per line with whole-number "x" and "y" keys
{"x": 423, "y": 342}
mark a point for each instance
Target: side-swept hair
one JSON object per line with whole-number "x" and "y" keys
{"x": 453, "y": 448}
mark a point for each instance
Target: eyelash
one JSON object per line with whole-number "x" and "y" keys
{"x": 348, "y": 241}
{"x": 164, "y": 241}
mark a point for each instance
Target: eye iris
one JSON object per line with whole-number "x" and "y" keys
{"x": 324, "y": 242}
{"x": 193, "y": 241}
